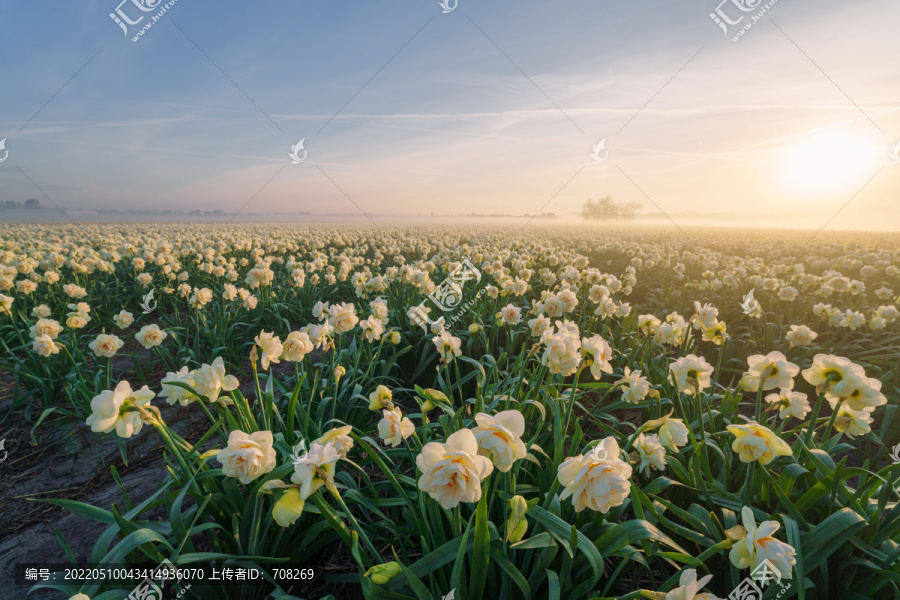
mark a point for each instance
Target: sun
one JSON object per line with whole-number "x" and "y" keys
{"x": 829, "y": 162}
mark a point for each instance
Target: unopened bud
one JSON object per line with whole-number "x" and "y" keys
{"x": 381, "y": 574}
{"x": 516, "y": 524}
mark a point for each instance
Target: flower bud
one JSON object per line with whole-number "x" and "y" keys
{"x": 475, "y": 328}
{"x": 395, "y": 337}
{"x": 436, "y": 396}
{"x": 209, "y": 453}
{"x": 288, "y": 508}
{"x": 381, "y": 574}
{"x": 516, "y": 524}
{"x": 339, "y": 372}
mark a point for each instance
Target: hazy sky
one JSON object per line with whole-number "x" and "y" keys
{"x": 761, "y": 126}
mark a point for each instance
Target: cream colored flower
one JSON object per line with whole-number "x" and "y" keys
{"x": 339, "y": 437}
{"x": 673, "y": 434}
{"x": 296, "y": 346}
{"x": 106, "y": 345}
{"x": 597, "y": 354}
{"x": 690, "y": 374}
{"x": 211, "y": 380}
{"x": 320, "y": 310}
{"x": 200, "y": 298}
{"x": 511, "y": 315}
{"x": 648, "y": 324}
{"x": 271, "y": 349}
{"x": 41, "y": 311}
{"x": 47, "y": 327}
{"x": 753, "y": 442}
{"x": 689, "y": 587}
{"x": 853, "y": 422}
{"x": 760, "y": 545}
{"x": 6, "y": 303}
{"x": 394, "y": 427}
{"x": 448, "y": 346}
{"x": 342, "y": 317}
{"x": 113, "y": 409}
{"x": 538, "y": 325}
{"x": 833, "y": 374}
{"x": 174, "y": 393}
{"x": 634, "y": 386}
{"x": 705, "y": 315}
{"x": 598, "y": 481}
{"x": 790, "y": 404}
{"x": 562, "y": 354}
{"x": 500, "y": 437}
{"x": 715, "y": 333}
{"x": 44, "y": 345}
{"x": 150, "y": 336}
{"x": 77, "y": 320}
{"x": 372, "y": 328}
{"x": 772, "y": 370}
{"x": 381, "y": 398}
{"x": 800, "y": 335}
{"x": 74, "y": 291}
{"x": 452, "y": 472}
{"x": 124, "y": 319}
{"x": 651, "y": 451}
{"x": 247, "y": 457}
{"x": 863, "y": 394}
{"x": 309, "y": 471}
{"x": 379, "y": 309}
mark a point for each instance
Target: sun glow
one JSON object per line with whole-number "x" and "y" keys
{"x": 829, "y": 163}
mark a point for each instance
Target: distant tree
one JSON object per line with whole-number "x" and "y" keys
{"x": 32, "y": 203}
{"x": 607, "y": 209}
{"x": 628, "y": 210}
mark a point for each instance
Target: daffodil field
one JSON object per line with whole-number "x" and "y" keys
{"x": 466, "y": 413}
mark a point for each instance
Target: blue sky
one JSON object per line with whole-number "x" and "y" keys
{"x": 762, "y": 125}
